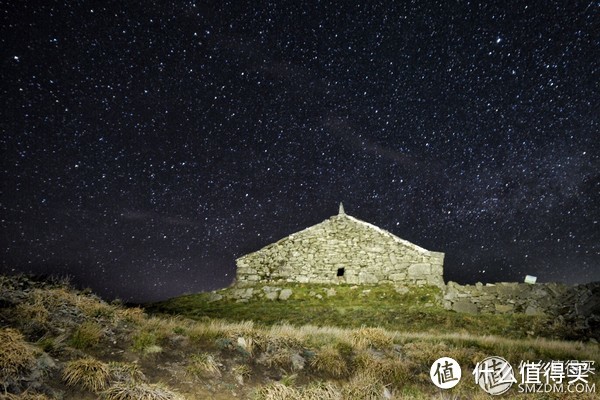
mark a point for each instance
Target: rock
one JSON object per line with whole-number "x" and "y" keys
{"x": 213, "y": 296}
{"x": 269, "y": 289}
{"x": 386, "y": 393}
{"x": 464, "y": 306}
{"x": 504, "y": 308}
{"x": 331, "y": 292}
{"x": 285, "y": 294}
{"x": 367, "y": 278}
{"x": 418, "y": 270}
{"x": 533, "y": 310}
{"x": 239, "y": 379}
{"x": 243, "y": 294}
{"x": 297, "y": 362}
{"x": 272, "y": 295}
{"x": 402, "y": 290}
{"x": 507, "y": 289}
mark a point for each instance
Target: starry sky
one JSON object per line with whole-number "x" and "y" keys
{"x": 147, "y": 145}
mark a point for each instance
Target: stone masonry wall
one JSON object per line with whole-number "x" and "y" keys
{"x": 367, "y": 254}
{"x": 576, "y": 306}
{"x": 504, "y": 297}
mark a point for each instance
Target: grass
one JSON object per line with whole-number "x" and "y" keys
{"x": 25, "y": 396}
{"x": 88, "y": 373}
{"x": 363, "y": 386}
{"x": 365, "y": 337}
{"x": 146, "y": 343}
{"x": 86, "y": 336}
{"x": 17, "y": 357}
{"x": 328, "y": 362}
{"x": 276, "y": 391}
{"x": 417, "y": 310}
{"x": 203, "y": 365}
{"x": 241, "y": 372}
{"x": 125, "y": 372}
{"x": 134, "y": 315}
{"x": 389, "y": 369}
{"x": 139, "y": 391}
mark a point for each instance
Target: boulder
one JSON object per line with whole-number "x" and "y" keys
{"x": 272, "y": 295}
{"x": 285, "y": 294}
{"x": 214, "y": 296}
{"x": 464, "y": 306}
{"x": 297, "y": 362}
{"x": 533, "y": 310}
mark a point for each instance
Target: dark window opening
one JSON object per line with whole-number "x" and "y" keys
{"x": 341, "y": 271}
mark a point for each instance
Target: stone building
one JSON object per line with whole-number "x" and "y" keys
{"x": 342, "y": 249}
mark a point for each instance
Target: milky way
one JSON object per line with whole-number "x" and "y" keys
{"x": 146, "y": 146}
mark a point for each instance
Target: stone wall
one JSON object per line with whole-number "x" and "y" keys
{"x": 575, "y": 306}
{"x": 504, "y": 297}
{"x": 342, "y": 249}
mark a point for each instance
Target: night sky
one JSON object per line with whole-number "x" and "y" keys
{"x": 146, "y": 146}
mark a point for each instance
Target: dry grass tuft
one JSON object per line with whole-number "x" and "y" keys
{"x": 93, "y": 308}
{"x": 276, "y": 391}
{"x": 205, "y": 333}
{"x": 125, "y": 372}
{"x": 285, "y": 335}
{"x": 389, "y": 370}
{"x": 314, "y": 391}
{"x": 424, "y": 353}
{"x": 55, "y": 298}
{"x": 242, "y": 370}
{"x": 17, "y": 357}
{"x": 88, "y": 372}
{"x": 139, "y": 391}
{"x": 34, "y": 314}
{"x": 203, "y": 365}
{"x": 329, "y": 362}
{"x": 365, "y": 337}
{"x": 134, "y": 315}
{"x": 363, "y": 386}
{"x": 235, "y": 329}
{"x": 280, "y": 357}
{"x": 322, "y": 391}
{"x": 24, "y": 396}
{"x": 87, "y": 335}
{"x": 146, "y": 343}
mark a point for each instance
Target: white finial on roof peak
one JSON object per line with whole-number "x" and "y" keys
{"x": 341, "y": 212}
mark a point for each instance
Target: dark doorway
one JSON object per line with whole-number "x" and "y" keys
{"x": 341, "y": 271}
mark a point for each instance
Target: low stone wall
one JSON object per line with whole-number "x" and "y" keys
{"x": 504, "y": 297}
{"x": 342, "y": 249}
{"x": 576, "y": 306}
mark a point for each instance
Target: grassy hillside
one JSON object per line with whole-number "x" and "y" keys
{"x": 60, "y": 343}
{"x": 415, "y": 309}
